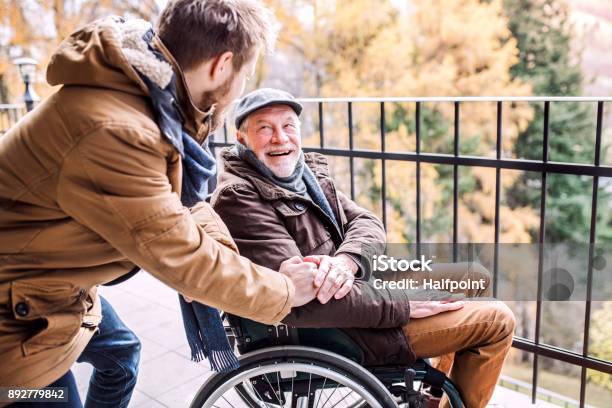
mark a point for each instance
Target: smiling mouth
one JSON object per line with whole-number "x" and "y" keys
{"x": 280, "y": 153}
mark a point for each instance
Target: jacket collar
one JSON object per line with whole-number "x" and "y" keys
{"x": 197, "y": 122}
{"x": 268, "y": 190}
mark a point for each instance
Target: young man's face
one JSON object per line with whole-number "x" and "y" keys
{"x": 230, "y": 89}
{"x": 236, "y": 84}
{"x": 273, "y": 134}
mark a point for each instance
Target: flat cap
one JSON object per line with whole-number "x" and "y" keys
{"x": 262, "y": 98}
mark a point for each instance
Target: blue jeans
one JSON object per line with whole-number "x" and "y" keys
{"x": 114, "y": 352}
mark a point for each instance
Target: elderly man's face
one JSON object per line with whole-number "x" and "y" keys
{"x": 273, "y": 134}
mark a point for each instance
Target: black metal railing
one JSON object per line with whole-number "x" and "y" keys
{"x": 543, "y": 166}
{"x": 9, "y": 115}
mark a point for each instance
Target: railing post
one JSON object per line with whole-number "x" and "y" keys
{"x": 592, "y": 240}
{"x": 321, "y": 133}
{"x": 456, "y": 183}
{"x": 351, "y": 148}
{"x": 383, "y": 164}
{"x": 418, "y": 173}
{"x": 498, "y": 151}
{"x": 542, "y": 239}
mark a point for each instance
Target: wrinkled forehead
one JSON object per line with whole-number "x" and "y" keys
{"x": 273, "y": 113}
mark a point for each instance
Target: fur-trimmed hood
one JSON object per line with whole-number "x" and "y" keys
{"x": 103, "y": 54}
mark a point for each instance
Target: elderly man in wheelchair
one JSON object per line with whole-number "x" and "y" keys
{"x": 354, "y": 345}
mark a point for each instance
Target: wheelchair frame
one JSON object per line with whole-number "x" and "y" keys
{"x": 274, "y": 366}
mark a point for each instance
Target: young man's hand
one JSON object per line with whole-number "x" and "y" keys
{"x": 301, "y": 273}
{"x": 335, "y": 276}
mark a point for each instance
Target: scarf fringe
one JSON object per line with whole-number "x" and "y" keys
{"x": 220, "y": 360}
{"x": 223, "y": 361}
{"x": 197, "y": 351}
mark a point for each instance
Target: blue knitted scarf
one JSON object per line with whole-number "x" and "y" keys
{"x": 203, "y": 326}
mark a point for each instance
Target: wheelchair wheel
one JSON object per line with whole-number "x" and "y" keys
{"x": 293, "y": 377}
{"x": 447, "y": 386}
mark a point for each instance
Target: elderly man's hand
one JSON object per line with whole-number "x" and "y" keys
{"x": 426, "y": 308}
{"x": 335, "y": 276}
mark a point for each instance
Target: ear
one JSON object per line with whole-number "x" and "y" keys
{"x": 221, "y": 67}
{"x": 240, "y": 137}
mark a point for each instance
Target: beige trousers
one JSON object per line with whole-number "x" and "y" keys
{"x": 479, "y": 335}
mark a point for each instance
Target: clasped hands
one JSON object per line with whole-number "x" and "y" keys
{"x": 320, "y": 276}
{"x": 324, "y": 277}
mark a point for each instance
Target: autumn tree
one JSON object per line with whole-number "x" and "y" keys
{"x": 364, "y": 48}
{"x": 35, "y": 28}
{"x": 601, "y": 342}
{"x": 544, "y": 34}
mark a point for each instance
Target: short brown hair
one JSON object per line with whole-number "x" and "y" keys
{"x": 195, "y": 31}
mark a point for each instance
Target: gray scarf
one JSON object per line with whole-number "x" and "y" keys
{"x": 302, "y": 181}
{"x": 294, "y": 182}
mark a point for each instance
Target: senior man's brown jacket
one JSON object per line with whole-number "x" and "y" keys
{"x": 270, "y": 224}
{"x": 89, "y": 188}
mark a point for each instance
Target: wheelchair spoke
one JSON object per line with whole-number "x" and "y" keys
{"x": 279, "y": 387}
{"x": 320, "y": 393}
{"x": 231, "y": 405}
{"x": 330, "y": 395}
{"x": 309, "y": 384}
{"x": 292, "y": 383}
{"x": 343, "y": 399}
{"x": 280, "y": 403}
{"x": 261, "y": 400}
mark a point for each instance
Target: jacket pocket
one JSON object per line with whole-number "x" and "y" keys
{"x": 309, "y": 233}
{"x": 52, "y": 310}
{"x": 289, "y": 208}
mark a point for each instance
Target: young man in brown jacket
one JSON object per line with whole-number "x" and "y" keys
{"x": 91, "y": 187}
{"x": 278, "y": 202}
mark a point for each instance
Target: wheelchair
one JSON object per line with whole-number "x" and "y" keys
{"x": 285, "y": 367}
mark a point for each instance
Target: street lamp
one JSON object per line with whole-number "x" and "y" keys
{"x": 27, "y": 70}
